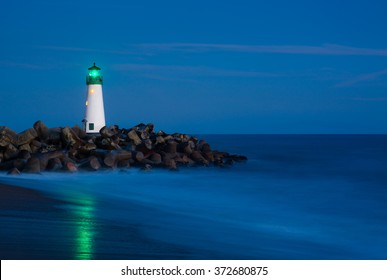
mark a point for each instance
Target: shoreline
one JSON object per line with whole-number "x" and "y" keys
{"x": 16, "y": 198}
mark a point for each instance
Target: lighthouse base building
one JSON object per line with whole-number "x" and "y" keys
{"x": 95, "y": 114}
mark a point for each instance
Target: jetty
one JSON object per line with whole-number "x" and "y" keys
{"x": 71, "y": 149}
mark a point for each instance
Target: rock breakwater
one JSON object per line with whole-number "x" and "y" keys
{"x": 40, "y": 148}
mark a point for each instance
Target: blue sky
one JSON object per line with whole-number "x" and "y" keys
{"x": 198, "y": 66}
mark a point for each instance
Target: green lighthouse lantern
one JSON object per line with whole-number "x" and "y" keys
{"x": 94, "y": 76}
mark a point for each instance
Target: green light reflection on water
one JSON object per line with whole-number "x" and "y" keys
{"x": 84, "y": 229}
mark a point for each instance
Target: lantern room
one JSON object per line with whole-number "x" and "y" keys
{"x": 94, "y": 76}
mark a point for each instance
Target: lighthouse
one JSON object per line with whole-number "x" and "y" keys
{"x": 95, "y": 114}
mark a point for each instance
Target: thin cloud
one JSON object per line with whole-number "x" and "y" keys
{"x": 362, "y": 78}
{"x": 150, "y": 49}
{"x": 76, "y": 49}
{"x": 178, "y": 70}
{"x": 71, "y": 49}
{"x": 25, "y": 65}
{"x": 376, "y": 99}
{"x": 326, "y": 49}
{"x": 150, "y": 67}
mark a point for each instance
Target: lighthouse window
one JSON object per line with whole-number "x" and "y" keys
{"x": 91, "y": 126}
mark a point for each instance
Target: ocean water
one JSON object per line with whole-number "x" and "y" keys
{"x": 297, "y": 197}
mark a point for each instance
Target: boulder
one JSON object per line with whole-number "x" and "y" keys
{"x": 32, "y": 165}
{"x": 171, "y": 147}
{"x": 24, "y": 154}
{"x": 25, "y": 147}
{"x": 106, "y": 132}
{"x": 45, "y": 157}
{"x": 54, "y": 135}
{"x": 35, "y": 146}
{"x": 10, "y": 152}
{"x": 197, "y": 157}
{"x": 170, "y": 163}
{"x": 15, "y": 163}
{"x": 134, "y": 137}
{"x": 156, "y": 158}
{"x": 146, "y": 167}
{"x": 144, "y": 135}
{"x": 70, "y": 138}
{"x": 42, "y": 130}
{"x": 7, "y": 136}
{"x": 91, "y": 163}
{"x": 123, "y": 163}
{"x": 112, "y": 157}
{"x": 27, "y": 136}
{"x": 187, "y": 161}
{"x": 80, "y": 132}
{"x": 87, "y": 148}
{"x": 54, "y": 164}
{"x": 14, "y": 172}
{"x": 68, "y": 164}
{"x": 138, "y": 156}
{"x": 160, "y": 140}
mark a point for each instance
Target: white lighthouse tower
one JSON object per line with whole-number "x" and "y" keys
{"x": 95, "y": 113}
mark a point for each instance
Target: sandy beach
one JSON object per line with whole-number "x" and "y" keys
{"x": 22, "y": 199}
{"x": 23, "y": 214}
